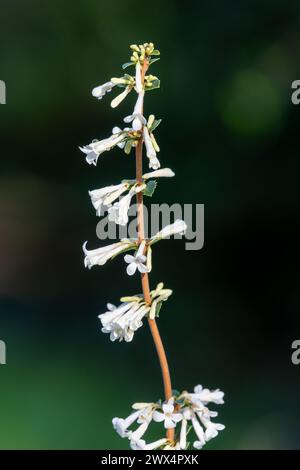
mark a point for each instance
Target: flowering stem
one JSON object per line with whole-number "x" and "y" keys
{"x": 145, "y": 277}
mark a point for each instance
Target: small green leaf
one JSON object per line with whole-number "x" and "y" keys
{"x": 150, "y": 188}
{"x": 154, "y": 60}
{"x": 155, "y": 52}
{"x": 154, "y": 85}
{"x": 127, "y": 64}
{"x": 155, "y": 124}
{"x": 130, "y": 182}
{"x": 127, "y": 148}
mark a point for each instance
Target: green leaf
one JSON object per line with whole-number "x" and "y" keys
{"x": 158, "y": 307}
{"x": 155, "y": 52}
{"x": 127, "y": 64}
{"x": 131, "y": 182}
{"x": 127, "y": 148}
{"x": 155, "y": 124}
{"x": 150, "y": 188}
{"x": 154, "y": 85}
{"x": 154, "y": 60}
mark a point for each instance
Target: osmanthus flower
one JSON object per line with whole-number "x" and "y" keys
{"x": 137, "y": 117}
{"x": 101, "y": 90}
{"x": 179, "y": 413}
{"x": 162, "y": 173}
{"x": 123, "y": 321}
{"x": 105, "y": 196}
{"x": 118, "y": 212}
{"x": 127, "y": 82}
{"x": 204, "y": 395}
{"x": 137, "y": 261}
{"x": 100, "y": 256}
{"x": 196, "y": 410}
{"x": 97, "y": 147}
{"x": 143, "y": 416}
{"x": 151, "y": 149}
{"x": 211, "y": 429}
{"x": 179, "y": 227}
{"x": 168, "y": 415}
{"x": 142, "y": 445}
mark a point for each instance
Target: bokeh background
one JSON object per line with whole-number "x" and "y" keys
{"x": 230, "y": 132}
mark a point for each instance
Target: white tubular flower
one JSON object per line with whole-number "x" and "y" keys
{"x": 179, "y": 227}
{"x": 137, "y": 261}
{"x": 100, "y": 256}
{"x": 105, "y": 196}
{"x": 117, "y": 130}
{"x": 122, "y": 322}
{"x": 138, "y": 78}
{"x": 137, "y": 117}
{"x": 212, "y": 429}
{"x": 139, "y": 432}
{"x": 150, "y": 150}
{"x": 120, "y": 425}
{"x": 118, "y": 213}
{"x": 199, "y": 433}
{"x": 142, "y": 445}
{"x": 118, "y": 99}
{"x": 97, "y": 147}
{"x": 206, "y": 396}
{"x": 99, "y": 91}
{"x": 168, "y": 416}
{"x": 163, "y": 172}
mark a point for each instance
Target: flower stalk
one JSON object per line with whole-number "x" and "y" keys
{"x": 183, "y": 410}
{"x": 145, "y": 276}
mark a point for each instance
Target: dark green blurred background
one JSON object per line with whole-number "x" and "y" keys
{"x": 230, "y": 133}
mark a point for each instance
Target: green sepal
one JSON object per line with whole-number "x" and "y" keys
{"x": 154, "y": 85}
{"x": 155, "y": 52}
{"x": 155, "y": 124}
{"x": 130, "y": 182}
{"x": 128, "y": 146}
{"x": 150, "y": 188}
{"x": 158, "y": 307}
{"x": 151, "y": 61}
{"x": 127, "y": 64}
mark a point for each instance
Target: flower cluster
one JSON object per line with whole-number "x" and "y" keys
{"x": 186, "y": 411}
{"x": 123, "y": 321}
{"x": 140, "y": 127}
{"x": 100, "y": 256}
{"x": 108, "y": 197}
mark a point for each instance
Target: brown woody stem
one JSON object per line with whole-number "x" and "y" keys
{"x": 145, "y": 277}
